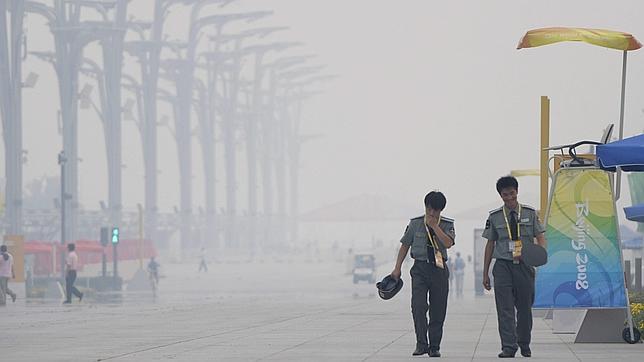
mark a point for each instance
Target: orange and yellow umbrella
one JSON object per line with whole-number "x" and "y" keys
{"x": 600, "y": 37}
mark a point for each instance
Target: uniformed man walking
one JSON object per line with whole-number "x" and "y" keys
{"x": 506, "y": 230}
{"x": 428, "y": 236}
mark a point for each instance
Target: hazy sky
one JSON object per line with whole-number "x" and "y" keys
{"x": 430, "y": 95}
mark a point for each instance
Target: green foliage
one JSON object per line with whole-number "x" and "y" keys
{"x": 636, "y": 297}
{"x": 637, "y": 309}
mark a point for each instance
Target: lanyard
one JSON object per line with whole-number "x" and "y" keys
{"x": 429, "y": 235}
{"x": 507, "y": 224}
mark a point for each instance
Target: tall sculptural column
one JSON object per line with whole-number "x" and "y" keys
{"x": 11, "y": 49}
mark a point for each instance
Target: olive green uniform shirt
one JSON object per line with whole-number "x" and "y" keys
{"x": 496, "y": 229}
{"x": 416, "y": 236}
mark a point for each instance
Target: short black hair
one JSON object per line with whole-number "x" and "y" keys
{"x": 435, "y": 200}
{"x": 3, "y": 248}
{"x": 507, "y": 182}
{"x": 71, "y": 246}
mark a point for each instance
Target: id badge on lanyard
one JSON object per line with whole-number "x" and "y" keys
{"x": 438, "y": 256}
{"x": 515, "y": 246}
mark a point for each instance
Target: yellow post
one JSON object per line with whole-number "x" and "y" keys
{"x": 545, "y": 143}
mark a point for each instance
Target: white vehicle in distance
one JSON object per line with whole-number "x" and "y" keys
{"x": 364, "y": 268}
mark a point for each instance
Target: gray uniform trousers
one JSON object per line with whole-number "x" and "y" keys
{"x": 514, "y": 290}
{"x": 427, "y": 278}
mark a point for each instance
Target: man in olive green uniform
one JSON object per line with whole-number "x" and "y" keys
{"x": 507, "y": 229}
{"x": 429, "y": 236}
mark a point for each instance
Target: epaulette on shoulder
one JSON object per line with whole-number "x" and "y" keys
{"x": 448, "y": 219}
{"x": 418, "y": 217}
{"x": 496, "y": 210}
{"x": 528, "y": 207}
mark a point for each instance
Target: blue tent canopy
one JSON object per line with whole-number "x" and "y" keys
{"x": 627, "y": 154}
{"x": 635, "y": 212}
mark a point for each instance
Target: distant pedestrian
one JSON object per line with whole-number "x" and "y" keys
{"x": 459, "y": 273}
{"x": 349, "y": 262}
{"x": 153, "y": 270}
{"x": 203, "y": 265}
{"x": 450, "y": 266}
{"x": 6, "y": 273}
{"x": 71, "y": 264}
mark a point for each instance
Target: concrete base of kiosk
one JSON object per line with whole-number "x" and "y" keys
{"x": 602, "y": 326}
{"x": 567, "y": 321}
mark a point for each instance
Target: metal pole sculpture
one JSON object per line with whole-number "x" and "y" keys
{"x": 112, "y": 44}
{"x": 70, "y": 37}
{"x": 11, "y": 53}
{"x": 229, "y": 112}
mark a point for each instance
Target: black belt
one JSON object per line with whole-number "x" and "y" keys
{"x": 509, "y": 261}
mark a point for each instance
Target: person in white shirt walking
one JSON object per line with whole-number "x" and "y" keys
{"x": 6, "y": 273}
{"x": 459, "y": 273}
{"x": 71, "y": 264}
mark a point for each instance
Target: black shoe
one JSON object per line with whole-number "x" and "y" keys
{"x": 80, "y": 298}
{"x": 526, "y": 352}
{"x": 13, "y": 298}
{"x": 419, "y": 351}
{"x": 507, "y": 353}
{"x": 67, "y": 302}
{"x": 434, "y": 353}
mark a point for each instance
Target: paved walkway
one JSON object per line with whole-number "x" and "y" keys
{"x": 243, "y": 313}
